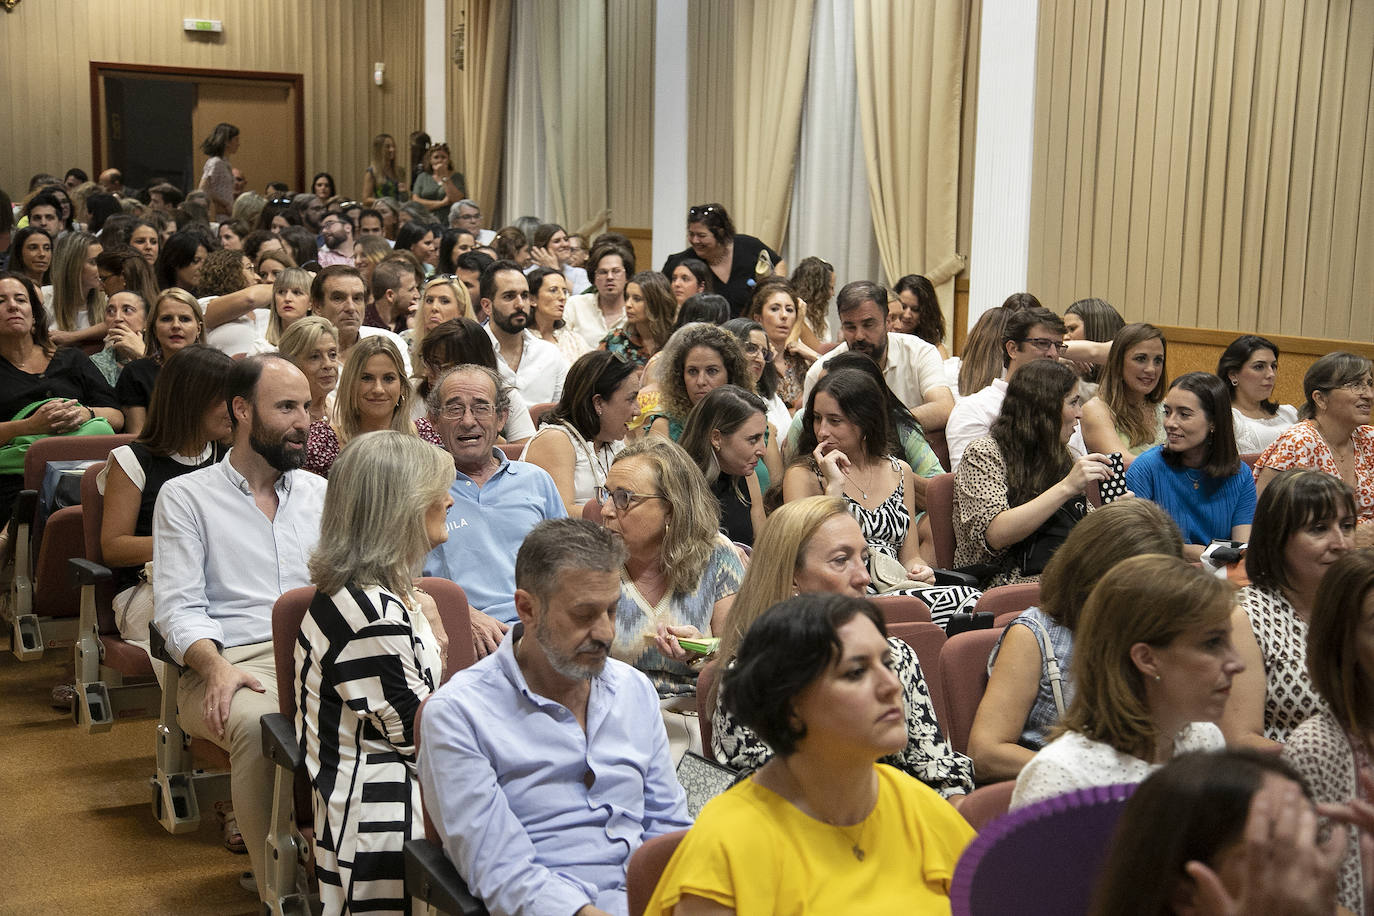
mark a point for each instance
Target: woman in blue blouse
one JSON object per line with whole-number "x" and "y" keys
{"x": 1197, "y": 475}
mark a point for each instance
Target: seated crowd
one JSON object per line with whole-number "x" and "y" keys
{"x": 636, "y": 476}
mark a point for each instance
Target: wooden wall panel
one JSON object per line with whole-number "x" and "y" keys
{"x": 1206, "y": 164}
{"x": 45, "y": 108}
{"x": 711, "y": 83}
{"x": 630, "y": 110}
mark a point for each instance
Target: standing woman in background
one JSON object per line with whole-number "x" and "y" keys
{"x": 1249, "y": 367}
{"x": 217, "y": 178}
{"x": 814, "y": 283}
{"x": 1127, "y": 415}
{"x": 438, "y": 187}
{"x": 78, "y": 300}
{"x": 382, "y": 178}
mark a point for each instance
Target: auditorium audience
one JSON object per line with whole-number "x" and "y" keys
{"x": 1249, "y": 366}
{"x": 438, "y": 187}
{"x": 579, "y": 438}
{"x": 373, "y": 394}
{"x": 1332, "y": 749}
{"x": 812, "y": 546}
{"x": 754, "y": 342}
{"x": 545, "y": 765}
{"x": 176, "y": 322}
{"x": 1333, "y": 434}
{"x": 1018, "y": 491}
{"x": 383, "y": 178}
{"x": 463, "y": 341}
{"x": 549, "y": 291}
{"x": 290, "y": 303}
{"x": 911, "y": 366}
{"x": 821, "y": 827}
{"x": 313, "y": 347}
{"x": 369, "y": 652}
{"x": 337, "y": 293}
{"x": 68, "y": 390}
{"x": 814, "y": 282}
{"x": 737, "y": 261}
{"x": 1127, "y": 414}
{"x": 120, "y": 267}
{"x": 496, "y": 501}
{"x": 698, "y": 358}
{"x": 1030, "y": 682}
{"x": 395, "y": 292}
{"x": 982, "y": 360}
{"x": 680, "y": 574}
{"x": 1152, "y": 669}
{"x": 1030, "y": 334}
{"x": 179, "y": 262}
{"x": 228, "y": 540}
{"x": 420, "y": 240}
{"x": 595, "y": 314}
{"x": 1304, "y": 522}
{"x": 442, "y": 299}
{"x": 725, "y": 437}
{"x": 649, "y": 313}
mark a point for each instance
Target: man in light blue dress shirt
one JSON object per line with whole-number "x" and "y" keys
{"x": 546, "y": 765}
{"x": 228, "y": 540}
{"x": 496, "y": 501}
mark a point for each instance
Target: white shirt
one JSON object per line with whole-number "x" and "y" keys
{"x": 1074, "y": 761}
{"x": 542, "y": 368}
{"x": 972, "y": 417}
{"x": 914, "y": 368}
{"x": 577, "y": 278}
{"x": 583, "y": 315}
{"x": 219, "y": 564}
{"x": 1257, "y": 435}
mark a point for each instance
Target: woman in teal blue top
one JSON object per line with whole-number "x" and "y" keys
{"x": 1197, "y": 475}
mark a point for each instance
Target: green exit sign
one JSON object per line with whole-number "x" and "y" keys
{"x": 202, "y": 25}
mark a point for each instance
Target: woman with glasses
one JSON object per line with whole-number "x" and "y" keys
{"x": 649, "y": 313}
{"x": 775, "y": 307}
{"x": 594, "y": 315}
{"x": 681, "y": 573}
{"x": 737, "y": 262}
{"x": 1197, "y": 475}
{"x": 1333, "y": 434}
{"x": 579, "y": 438}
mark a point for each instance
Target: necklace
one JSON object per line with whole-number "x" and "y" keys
{"x": 1194, "y": 476}
{"x": 855, "y": 842}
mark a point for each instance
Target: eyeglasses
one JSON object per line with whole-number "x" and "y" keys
{"x": 1043, "y": 344}
{"x": 609, "y": 273}
{"x": 695, "y": 214}
{"x": 1359, "y": 385}
{"x": 280, "y": 201}
{"x": 480, "y": 411}
{"x": 621, "y": 497}
{"x": 753, "y": 349}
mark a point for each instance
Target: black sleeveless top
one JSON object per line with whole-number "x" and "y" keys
{"x": 732, "y": 495}
{"x": 157, "y": 470}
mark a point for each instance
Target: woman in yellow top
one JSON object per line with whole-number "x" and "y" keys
{"x": 820, "y": 828}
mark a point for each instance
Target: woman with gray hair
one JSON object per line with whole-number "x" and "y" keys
{"x": 371, "y": 649}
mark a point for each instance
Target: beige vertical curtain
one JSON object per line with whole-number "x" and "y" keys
{"x": 572, "y": 81}
{"x": 1207, "y": 164}
{"x": 479, "y": 35}
{"x": 910, "y": 59}
{"x": 772, "y": 46}
{"x": 710, "y": 102}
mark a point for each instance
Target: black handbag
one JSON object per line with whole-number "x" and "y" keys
{"x": 1033, "y": 553}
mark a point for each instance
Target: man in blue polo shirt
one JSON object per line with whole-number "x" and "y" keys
{"x": 495, "y": 501}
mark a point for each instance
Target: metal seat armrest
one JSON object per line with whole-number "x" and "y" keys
{"x": 279, "y": 743}
{"x": 157, "y": 648}
{"x": 432, "y": 879}
{"x": 955, "y": 577}
{"x": 82, "y": 572}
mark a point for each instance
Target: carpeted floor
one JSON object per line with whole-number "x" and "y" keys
{"x": 77, "y": 834}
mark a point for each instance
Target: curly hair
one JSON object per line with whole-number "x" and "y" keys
{"x": 812, "y": 281}
{"x": 693, "y": 534}
{"x": 1027, "y": 431}
{"x": 673, "y": 360}
{"x": 222, "y": 273}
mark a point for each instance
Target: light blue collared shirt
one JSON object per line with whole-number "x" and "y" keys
{"x": 486, "y": 526}
{"x": 538, "y": 816}
{"x": 219, "y": 564}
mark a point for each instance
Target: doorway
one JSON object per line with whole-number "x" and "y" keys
{"x": 149, "y": 121}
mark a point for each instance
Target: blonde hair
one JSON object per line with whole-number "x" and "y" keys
{"x": 773, "y": 565}
{"x": 303, "y": 336}
{"x": 68, "y": 260}
{"x": 176, "y": 293}
{"x": 1151, "y": 599}
{"x": 347, "y": 415}
{"x": 417, "y": 333}
{"x": 292, "y": 278}
{"x": 692, "y": 528}
{"x": 381, "y": 482}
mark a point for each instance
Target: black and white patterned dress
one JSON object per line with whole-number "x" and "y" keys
{"x": 364, "y": 663}
{"x": 928, "y": 755}
{"x": 1289, "y": 699}
{"x": 886, "y": 527}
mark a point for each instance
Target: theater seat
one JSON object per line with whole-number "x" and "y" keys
{"x": 646, "y": 867}
{"x": 1008, "y": 599}
{"x": 927, "y": 640}
{"x": 940, "y": 511}
{"x": 902, "y": 609}
{"x": 985, "y": 804}
{"x": 963, "y": 675}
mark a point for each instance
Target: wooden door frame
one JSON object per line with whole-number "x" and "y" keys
{"x": 101, "y": 68}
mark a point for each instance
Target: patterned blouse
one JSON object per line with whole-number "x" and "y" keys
{"x": 636, "y": 619}
{"x": 322, "y": 443}
{"x": 792, "y": 383}
{"x": 620, "y": 341}
{"x": 928, "y": 755}
{"x": 1302, "y": 446}
{"x": 1289, "y": 699}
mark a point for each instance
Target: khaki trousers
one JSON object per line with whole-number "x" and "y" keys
{"x": 250, "y": 775}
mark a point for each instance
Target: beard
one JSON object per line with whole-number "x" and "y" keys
{"x": 513, "y": 323}
{"x": 875, "y": 352}
{"x": 274, "y": 451}
{"x": 568, "y": 663}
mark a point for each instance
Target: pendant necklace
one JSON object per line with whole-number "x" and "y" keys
{"x": 1195, "y": 478}
{"x": 855, "y": 842}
